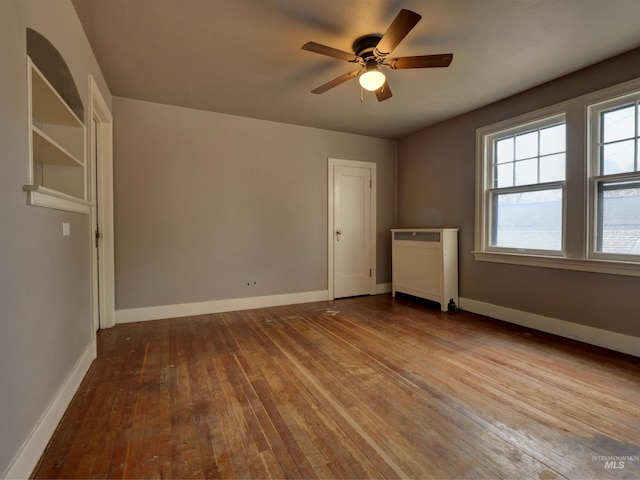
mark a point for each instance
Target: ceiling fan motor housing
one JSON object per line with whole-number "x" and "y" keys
{"x": 364, "y": 46}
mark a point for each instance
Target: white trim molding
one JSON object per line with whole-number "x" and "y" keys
{"x": 100, "y": 160}
{"x": 40, "y": 196}
{"x": 594, "y": 336}
{"x": 29, "y": 454}
{"x": 217, "y": 306}
{"x": 581, "y": 264}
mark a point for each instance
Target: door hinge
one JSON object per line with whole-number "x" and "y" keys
{"x": 370, "y": 273}
{"x": 370, "y": 183}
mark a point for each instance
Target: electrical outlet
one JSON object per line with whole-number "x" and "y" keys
{"x": 66, "y": 229}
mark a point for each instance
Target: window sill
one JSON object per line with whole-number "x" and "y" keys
{"x": 40, "y": 196}
{"x": 585, "y": 265}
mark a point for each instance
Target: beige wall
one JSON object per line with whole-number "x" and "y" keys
{"x": 206, "y": 203}
{"x": 436, "y": 187}
{"x": 45, "y": 277}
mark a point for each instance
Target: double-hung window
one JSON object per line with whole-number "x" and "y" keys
{"x": 615, "y": 178}
{"x": 523, "y": 184}
{"x": 541, "y": 203}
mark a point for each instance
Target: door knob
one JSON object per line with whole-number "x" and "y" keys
{"x": 338, "y": 233}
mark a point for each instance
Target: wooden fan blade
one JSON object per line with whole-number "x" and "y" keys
{"x": 399, "y": 29}
{"x": 336, "y": 81}
{"x": 421, "y": 61}
{"x": 384, "y": 92}
{"x": 330, "y": 52}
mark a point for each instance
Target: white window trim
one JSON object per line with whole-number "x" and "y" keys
{"x": 484, "y": 135}
{"x": 562, "y": 263}
{"x": 587, "y": 262}
{"x": 524, "y": 189}
{"x": 593, "y": 220}
{"x": 488, "y": 192}
{"x": 595, "y": 178}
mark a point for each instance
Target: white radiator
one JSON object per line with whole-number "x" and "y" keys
{"x": 425, "y": 264}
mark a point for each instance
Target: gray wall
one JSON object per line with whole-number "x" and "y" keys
{"x": 206, "y": 203}
{"x": 436, "y": 187}
{"x": 45, "y": 280}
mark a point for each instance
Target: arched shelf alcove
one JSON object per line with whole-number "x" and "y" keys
{"x": 52, "y": 65}
{"x": 57, "y": 138}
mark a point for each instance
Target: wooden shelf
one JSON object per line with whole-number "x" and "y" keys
{"x": 47, "y": 106}
{"x": 40, "y": 196}
{"x": 57, "y": 148}
{"x": 50, "y": 152}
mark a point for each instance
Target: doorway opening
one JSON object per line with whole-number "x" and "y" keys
{"x": 101, "y": 181}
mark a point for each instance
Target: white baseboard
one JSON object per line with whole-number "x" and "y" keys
{"x": 27, "y": 458}
{"x": 382, "y": 288}
{"x": 594, "y": 336}
{"x": 217, "y": 306}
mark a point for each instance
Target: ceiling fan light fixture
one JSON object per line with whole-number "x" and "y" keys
{"x": 372, "y": 78}
{"x": 372, "y": 51}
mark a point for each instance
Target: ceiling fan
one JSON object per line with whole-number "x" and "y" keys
{"x": 371, "y": 52}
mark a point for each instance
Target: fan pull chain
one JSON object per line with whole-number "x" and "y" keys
{"x": 361, "y": 94}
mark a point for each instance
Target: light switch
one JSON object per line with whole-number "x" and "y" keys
{"x": 66, "y": 229}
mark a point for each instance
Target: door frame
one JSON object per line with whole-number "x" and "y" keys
{"x": 101, "y": 170}
{"x": 331, "y": 164}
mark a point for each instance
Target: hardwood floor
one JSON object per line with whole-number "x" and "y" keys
{"x": 365, "y": 387}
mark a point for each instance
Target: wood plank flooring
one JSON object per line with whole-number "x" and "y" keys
{"x": 369, "y": 387}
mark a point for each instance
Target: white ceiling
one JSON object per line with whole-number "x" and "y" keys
{"x": 244, "y": 57}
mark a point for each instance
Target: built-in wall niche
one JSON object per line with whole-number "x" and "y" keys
{"x": 57, "y": 135}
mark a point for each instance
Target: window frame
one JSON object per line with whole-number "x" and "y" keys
{"x": 486, "y": 191}
{"x": 579, "y": 188}
{"x": 596, "y": 178}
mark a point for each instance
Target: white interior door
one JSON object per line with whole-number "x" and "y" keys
{"x": 352, "y": 231}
